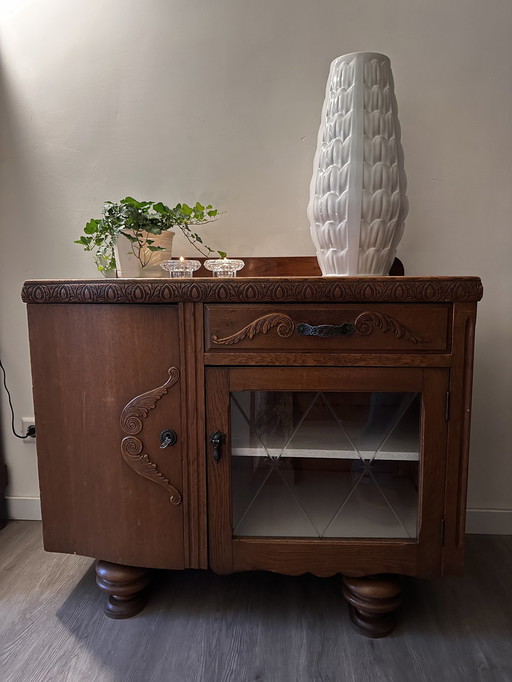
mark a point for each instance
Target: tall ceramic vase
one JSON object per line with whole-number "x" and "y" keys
{"x": 357, "y": 203}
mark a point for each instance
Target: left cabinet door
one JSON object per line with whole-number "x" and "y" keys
{"x": 107, "y": 383}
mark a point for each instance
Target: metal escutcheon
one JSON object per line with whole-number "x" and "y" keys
{"x": 168, "y": 438}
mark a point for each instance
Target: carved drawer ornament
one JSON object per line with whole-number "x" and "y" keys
{"x": 284, "y": 323}
{"x": 364, "y": 324}
{"x": 132, "y": 447}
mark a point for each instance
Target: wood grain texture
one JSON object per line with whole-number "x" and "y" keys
{"x": 432, "y": 469}
{"x": 373, "y": 603}
{"x": 409, "y": 335}
{"x": 461, "y": 384}
{"x": 194, "y": 464}
{"x": 247, "y": 627}
{"x": 132, "y": 421}
{"x": 88, "y": 362}
{"x": 326, "y": 557}
{"x": 390, "y": 327}
{"x": 255, "y": 290}
{"x": 326, "y": 359}
{"x": 125, "y": 589}
{"x": 220, "y": 557}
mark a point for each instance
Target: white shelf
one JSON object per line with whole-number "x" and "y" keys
{"x": 327, "y": 441}
{"x": 407, "y": 456}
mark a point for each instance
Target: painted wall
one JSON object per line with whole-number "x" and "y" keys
{"x": 220, "y": 102}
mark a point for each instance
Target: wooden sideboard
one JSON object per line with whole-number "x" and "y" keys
{"x": 289, "y": 424}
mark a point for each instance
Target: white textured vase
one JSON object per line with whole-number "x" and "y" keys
{"x": 357, "y": 203}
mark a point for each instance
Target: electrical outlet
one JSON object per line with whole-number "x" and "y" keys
{"x": 26, "y": 423}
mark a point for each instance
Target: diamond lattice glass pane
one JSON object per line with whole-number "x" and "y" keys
{"x": 325, "y": 464}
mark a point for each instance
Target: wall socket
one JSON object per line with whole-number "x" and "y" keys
{"x": 26, "y": 422}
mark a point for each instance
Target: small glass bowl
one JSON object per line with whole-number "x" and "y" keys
{"x": 180, "y": 268}
{"x": 224, "y": 267}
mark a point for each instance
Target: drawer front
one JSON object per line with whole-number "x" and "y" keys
{"x": 326, "y": 327}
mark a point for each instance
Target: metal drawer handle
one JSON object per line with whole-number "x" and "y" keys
{"x": 325, "y": 330}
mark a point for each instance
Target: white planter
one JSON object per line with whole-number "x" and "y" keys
{"x": 153, "y": 268}
{"x": 127, "y": 265}
{"x": 357, "y": 203}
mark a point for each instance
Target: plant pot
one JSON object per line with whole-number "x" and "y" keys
{"x": 153, "y": 268}
{"x": 128, "y": 265}
{"x": 357, "y": 201}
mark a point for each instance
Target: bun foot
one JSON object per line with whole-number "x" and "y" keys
{"x": 372, "y": 603}
{"x": 125, "y": 587}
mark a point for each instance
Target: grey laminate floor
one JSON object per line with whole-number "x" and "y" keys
{"x": 246, "y": 627}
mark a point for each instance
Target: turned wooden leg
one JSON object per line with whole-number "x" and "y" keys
{"x": 125, "y": 587}
{"x": 372, "y": 602}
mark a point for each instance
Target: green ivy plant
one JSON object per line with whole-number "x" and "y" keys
{"x": 139, "y": 222}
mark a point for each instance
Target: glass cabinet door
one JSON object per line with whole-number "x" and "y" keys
{"x": 325, "y": 464}
{"x": 320, "y": 459}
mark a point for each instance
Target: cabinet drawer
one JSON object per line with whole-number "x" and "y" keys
{"x": 326, "y": 327}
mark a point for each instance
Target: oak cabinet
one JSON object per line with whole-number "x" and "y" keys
{"x": 290, "y": 424}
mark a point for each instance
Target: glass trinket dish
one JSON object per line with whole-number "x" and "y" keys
{"x": 180, "y": 268}
{"x": 224, "y": 267}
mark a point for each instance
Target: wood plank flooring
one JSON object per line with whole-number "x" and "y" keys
{"x": 199, "y": 627}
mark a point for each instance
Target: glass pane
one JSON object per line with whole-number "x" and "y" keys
{"x": 325, "y": 464}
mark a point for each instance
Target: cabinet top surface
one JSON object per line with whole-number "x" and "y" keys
{"x": 256, "y": 290}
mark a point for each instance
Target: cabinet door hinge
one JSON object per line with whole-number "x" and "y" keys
{"x": 447, "y": 406}
{"x": 441, "y": 531}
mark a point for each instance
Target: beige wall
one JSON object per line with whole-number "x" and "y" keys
{"x": 220, "y": 101}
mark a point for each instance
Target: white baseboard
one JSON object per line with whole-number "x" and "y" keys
{"x": 489, "y": 521}
{"x": 24, "y": 508}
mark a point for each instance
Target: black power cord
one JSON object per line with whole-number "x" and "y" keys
{"x": 31, "y": 431}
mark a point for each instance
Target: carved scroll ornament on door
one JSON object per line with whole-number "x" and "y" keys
{"x": 132, "y": 424}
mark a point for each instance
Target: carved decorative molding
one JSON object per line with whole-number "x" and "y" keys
{"x": 132, "y": 448}
{"x": 256, "y": 290}
{"x": 284, "y": 323}
{"x": 364, "y": 324}
{"x": 138, "y": 408}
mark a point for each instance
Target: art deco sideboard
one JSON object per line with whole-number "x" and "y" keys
{"x": 289, "y": 424}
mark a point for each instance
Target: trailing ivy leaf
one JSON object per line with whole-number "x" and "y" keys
{"x": 85, "y": 241}
{"x": 129, "y": 236}
{"x": 132, "y": 202}
{"x": 155, "y": 248}
{"x": 159, "y": 207}
{"x": 222, "y": 254}
{"x": 92, "y": 226}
